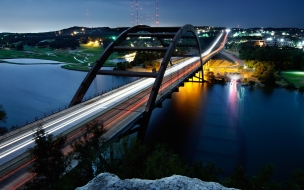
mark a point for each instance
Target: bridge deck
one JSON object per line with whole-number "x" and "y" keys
{"x": 123, "y": 107}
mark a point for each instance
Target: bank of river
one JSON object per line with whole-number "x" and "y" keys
{"x": 29, "y": 61}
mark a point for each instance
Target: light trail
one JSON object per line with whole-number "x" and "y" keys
{"x": 111, "y": 99}
{"x": 103, "y": 100}
{"x": 82, "y": 113}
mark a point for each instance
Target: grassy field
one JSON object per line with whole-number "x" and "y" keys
{"x": 76, "y": 59}
{"x": 295, "y": 77}
{"x": 37, "y": 53}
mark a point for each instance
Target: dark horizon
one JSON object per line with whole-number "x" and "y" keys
{"x": 69, "y": 28}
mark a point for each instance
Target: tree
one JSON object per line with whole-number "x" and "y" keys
{"x": 106, "y": 42}
{"x": 238, "y": 179}
{"x": 121, "y": 66}
{"x": 290, "y": 86}
{"x": 50, "y": 163}
{"x": 210, "y": 76}
{"x": 2, "y": 114}
{"x": 147, "y": 59}
{"x": 63, "y": 43}
{"x": 282, "y": 59}
{"x": 205, "y": 172}
{"x": 33, "y": 41}
{"x": 251, "y": 83}
{"x": 87, "y": 150}
{"x": 155, "y": 64}
{"x": 301, "y": 89}
{"x": 163, "y": 163}
{"x": 268, "y": 77}
{"x": 43, "y": 44}
{"x": 3, "y": 130}
{"x": 265, "y": 73}
{"x": 11, "y": 46}
{"x": 262, "y": 180}
{"x": 126, "y": 158}
{"x": 297, "y": 180}
{"x": 19, "y": 47}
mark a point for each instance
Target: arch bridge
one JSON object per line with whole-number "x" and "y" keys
{"x": 169, "y": 44}
{"x": 170, "y": 56}
{"x": 179, "y": 55}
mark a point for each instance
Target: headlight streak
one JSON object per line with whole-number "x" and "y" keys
{"x": 109, "y": 100}
{"x": 105, "y": 99}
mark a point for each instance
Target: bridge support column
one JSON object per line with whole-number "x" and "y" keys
{"x": 202, "y": 69}
{"x": 143, "y": 127}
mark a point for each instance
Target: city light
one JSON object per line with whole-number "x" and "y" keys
{"x": 261, "y": 44}
{"x": 93, "y": 43}
{"x": 144, "y": 37}
{"x": 234, "y": 77}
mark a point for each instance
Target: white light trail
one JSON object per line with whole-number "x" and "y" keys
{"x": 83, "y": 113}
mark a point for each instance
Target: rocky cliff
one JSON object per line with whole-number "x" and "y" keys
{"x": 112, "y": 182}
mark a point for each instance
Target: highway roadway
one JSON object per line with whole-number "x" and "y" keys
{"x": 12, "y": 147}
{"x": 129, "y": 97}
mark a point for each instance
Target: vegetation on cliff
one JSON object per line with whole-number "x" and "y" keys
{"x": 129, "y": 158}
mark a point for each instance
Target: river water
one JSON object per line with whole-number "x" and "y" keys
{"x": 225, "y": 124}
{"x": 30, "y": 91}
{"x": 231, "y": 124}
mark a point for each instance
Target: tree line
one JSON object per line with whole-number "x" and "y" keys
{"x": 54, "y": 42}
{"x": 129, "y": 158}
{"x": 280, "y": 59}
{"x": 268, "y": 62}
{"x": 3, "y": 117}
{"x": 64, "y": 43}
{"x": 147, "y": 59}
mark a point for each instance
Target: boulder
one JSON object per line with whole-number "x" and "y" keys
{"x": 112, "y": 182}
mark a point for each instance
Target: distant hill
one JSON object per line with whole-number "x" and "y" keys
{"x": 8, "y": 40}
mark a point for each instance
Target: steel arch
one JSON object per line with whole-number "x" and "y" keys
{"x": 84, "y": 86}
{"x": 176, "y": 33}
{"x": 153, "y": 95}
{"x": 179, "y": 32}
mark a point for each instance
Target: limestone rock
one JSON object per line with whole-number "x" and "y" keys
{"x": 112, "y": 182}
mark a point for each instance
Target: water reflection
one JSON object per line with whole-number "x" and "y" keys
{"x": 300, "y": 99}
{"x": 203, "y": 124}
{"x": 233, "y": 96}
{"x": 231, "y": 124}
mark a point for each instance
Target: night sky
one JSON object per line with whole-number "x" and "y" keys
{"x": 50, "y": 15}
